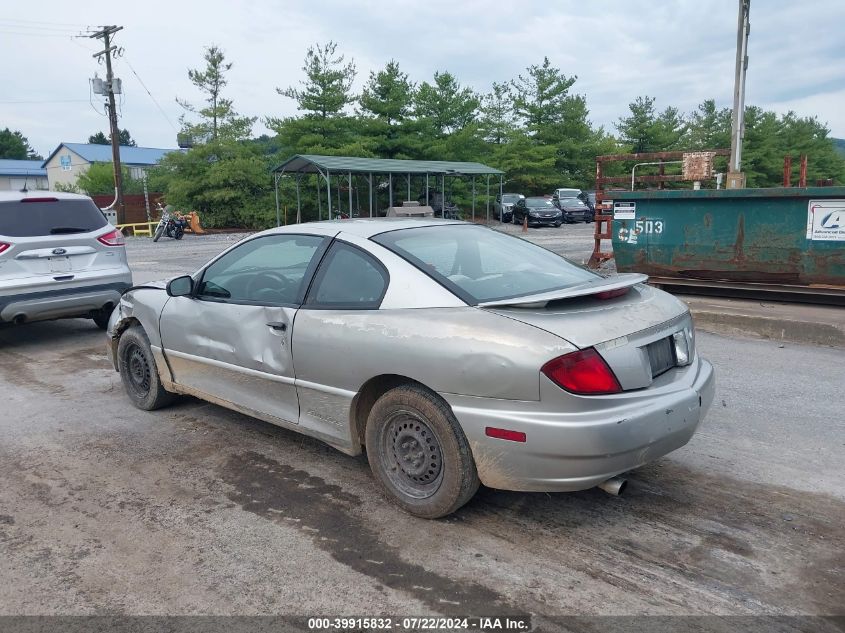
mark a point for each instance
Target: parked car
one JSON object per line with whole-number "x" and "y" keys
{"x": 573, "y": 210}
{"x": 59, "y": 257}
{"x": 503, "y": 206}
{"x": 454, "y": 353}
{"x": 589, "y": 198}
{"x": 448, "y": 211}
{"x": 539, "y": 210}
{"x": 567, "y": 193}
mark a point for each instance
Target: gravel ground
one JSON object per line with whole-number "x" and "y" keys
{"x": 195, "y": 509}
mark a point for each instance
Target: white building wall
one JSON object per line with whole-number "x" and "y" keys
{"x": 65, "y": 167}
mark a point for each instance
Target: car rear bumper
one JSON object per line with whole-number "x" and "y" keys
{"x": 567, "y": 451}
{"x": 62, "y": 302}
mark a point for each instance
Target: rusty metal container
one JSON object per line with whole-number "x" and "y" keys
{"x": 789, "y": 236}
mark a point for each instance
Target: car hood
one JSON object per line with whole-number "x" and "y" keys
{"x": 586, "y": 320}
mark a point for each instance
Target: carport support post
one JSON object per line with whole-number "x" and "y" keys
{"x": 350, "y": 193}
{"x": 276, "y": 189}
{"x": 443, "y": 196}
{"x": 329, "y": 192}
{"x": 501, "y": 194}
{"x": 426, "y": 190}
{"x": 409, "y": 187}
{"x": 488, "y": 198}
{"x": 370, "y": 181}
{"x": 298, "y": 205}
{"x": 473, "y": 198}
{"x": 339, "y": 204}
{"x": 319, "y": 201}
{"x": 390, "y": 189}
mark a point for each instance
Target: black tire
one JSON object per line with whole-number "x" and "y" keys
{"x": 101, "y": 318}
{"x": 410, "y": 424}
{"x": 158, "y": 232}
{"x": 557, "y": 225}
{"x": 179, "y": 233}
{"x": 138, "y": 371}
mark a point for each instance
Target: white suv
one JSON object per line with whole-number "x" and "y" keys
{"x": 59, "y": 257}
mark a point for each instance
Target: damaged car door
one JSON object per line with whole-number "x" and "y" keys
{"x": 230, "y": 340}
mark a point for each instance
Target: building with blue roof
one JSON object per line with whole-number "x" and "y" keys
{"x": 70, "y": 160}
{"x": 16, "y": 175}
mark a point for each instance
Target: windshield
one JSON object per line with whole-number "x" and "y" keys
{"x": 49, "y": 217}
{"x": 479, "y": 264}
{"x": 511, "y": 198}
{"x": 571, "y": 201}
{"x": 538, "y": 202}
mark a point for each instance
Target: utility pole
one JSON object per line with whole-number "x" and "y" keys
{"x": 105, "y": 34}
{"x": 736, "y": 179}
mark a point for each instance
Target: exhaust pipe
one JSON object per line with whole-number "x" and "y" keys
{"x": 614, "y": 486}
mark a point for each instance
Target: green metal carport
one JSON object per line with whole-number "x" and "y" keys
{"x": 339, "y": 166}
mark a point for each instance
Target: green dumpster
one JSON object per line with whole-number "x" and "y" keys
{"x": 792, "y": 236}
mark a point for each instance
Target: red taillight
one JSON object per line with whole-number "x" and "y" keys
{"x": 4, "y": 246}
{"x": 582, "y": 372}
{"x": 112, "y": 238}
{"x": 504, "y": 434}
{"x": 610, "y": 294}
{"x": 39, "y": 199}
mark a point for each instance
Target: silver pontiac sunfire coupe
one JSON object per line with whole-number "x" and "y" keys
{"x": 455, "y": 354}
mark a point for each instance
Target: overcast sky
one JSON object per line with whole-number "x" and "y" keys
{"x": 680, "y": 52}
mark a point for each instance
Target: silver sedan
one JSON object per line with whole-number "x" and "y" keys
{"x": 453, "y": 354}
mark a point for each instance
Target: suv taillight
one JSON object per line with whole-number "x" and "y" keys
{"x": 4, "y": 246}
{"x": 583, "y": 372}
{"x": 112, "y": 238}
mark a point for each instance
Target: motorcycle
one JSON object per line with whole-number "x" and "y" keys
{"x": 171, "y": 226}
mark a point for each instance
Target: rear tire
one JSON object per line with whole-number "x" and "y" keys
{"x": 138, "y": 371}
{"x": 179, "y": 233}
{"x": 101, "y": 318}
{"x": 418, "y": 453}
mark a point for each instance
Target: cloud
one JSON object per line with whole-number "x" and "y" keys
{"x": 680, "y": 53}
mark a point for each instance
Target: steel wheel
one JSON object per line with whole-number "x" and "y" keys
{"x": 411, "y": 455}
{"x": 139, "y": 373}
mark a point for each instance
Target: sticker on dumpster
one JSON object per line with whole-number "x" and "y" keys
{"x": 826, "y": 220}
{"x": 624, "y": 210}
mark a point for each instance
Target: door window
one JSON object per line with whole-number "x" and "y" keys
{"x": 270, "y": 270}
{"x": 348, "y": 278}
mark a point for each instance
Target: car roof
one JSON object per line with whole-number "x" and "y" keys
{"x": 16, "y": 196}
{"x": 363, "y": 227}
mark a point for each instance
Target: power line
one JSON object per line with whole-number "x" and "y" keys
{"x": 44, "y": 101}
{"x": 61, "y": 35}
{"x": 70, "y": 24}
{"x": 27, "y": 27}
{"x": 141, "y": 81}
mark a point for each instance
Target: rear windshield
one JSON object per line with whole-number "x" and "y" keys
{"x": 511, "y": 197}
{"x": 54, "y": 217}
{"x": 479, "y": 264}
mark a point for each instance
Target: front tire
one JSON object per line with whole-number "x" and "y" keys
{"x": 158, "y": 233}
{"x": 138, "y": 371}
{"x": 419, "y": 454}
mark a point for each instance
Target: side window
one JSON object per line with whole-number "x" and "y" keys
{"x": 266, "y": 270}
{"x": 348, "y": 278}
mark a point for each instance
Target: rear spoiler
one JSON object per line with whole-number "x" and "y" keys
{"x": 598, "y": 286}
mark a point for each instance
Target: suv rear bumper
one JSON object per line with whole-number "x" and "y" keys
{"x": 61, "y": 302}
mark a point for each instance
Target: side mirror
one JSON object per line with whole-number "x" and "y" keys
{"x": 180, "y": 286}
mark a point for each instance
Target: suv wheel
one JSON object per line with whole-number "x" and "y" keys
{"x": 419, "y": 454}
{"x": 101, "y": 318}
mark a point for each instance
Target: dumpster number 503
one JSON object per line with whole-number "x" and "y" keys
{"x": 648, "y": 226}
